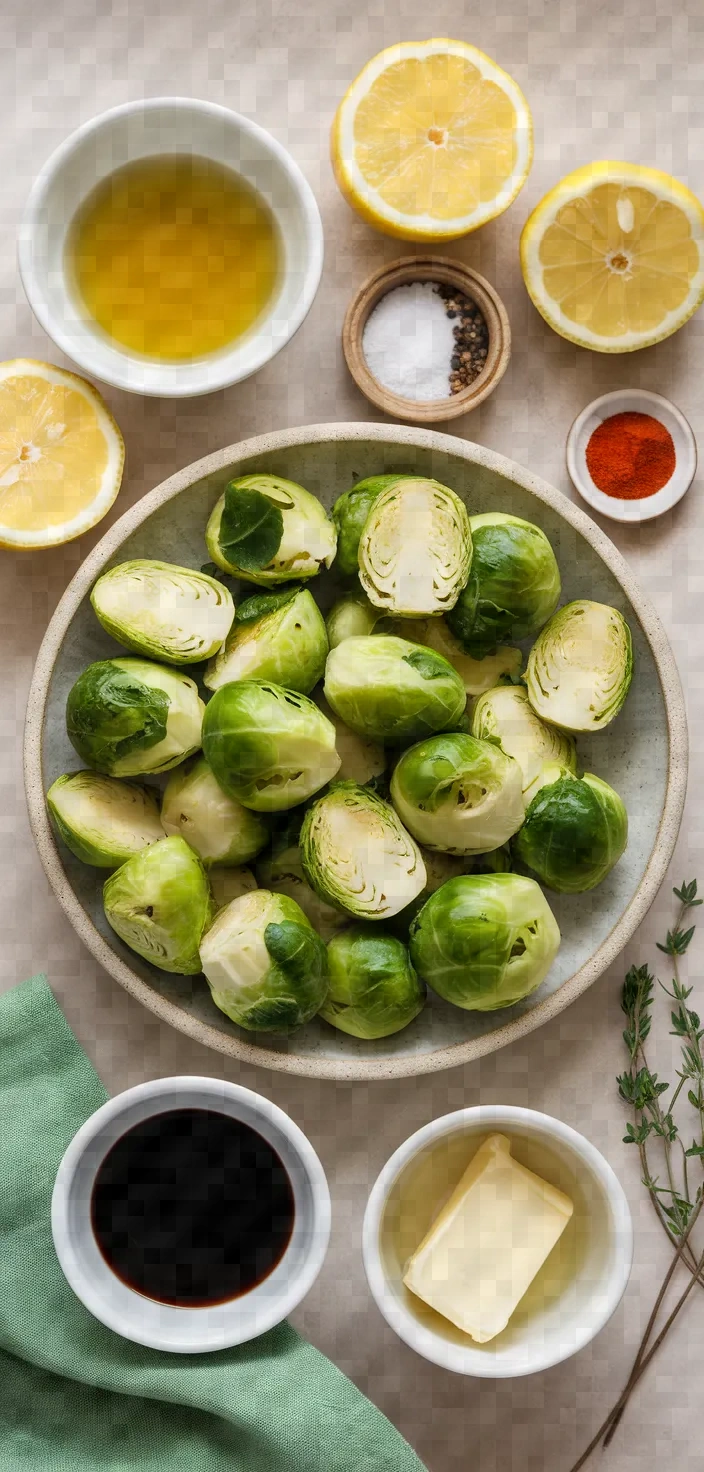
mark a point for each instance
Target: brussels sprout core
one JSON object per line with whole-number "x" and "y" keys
{"x": 269, "y": 748}
{"x": 389, "y": 690}
{"x": 357, "y": 855}
{"x": 265, "y": 965}
{"x": 485, "y": 940}
{"x": 217, "y": 827}
{"x": 458, "y": 794}
{"x": 513, "y": 585}
{"x": 576, "y": 829}
{"x": 579, "y": 669}
{"x": 162, "y": 611}
{"x": 159, "y": 903}
{"x": 276, "y": 636}
{"x": 416, "y": 549}
{"x": 374, "y": 990}
{"x": 268, "y": 530}
{"x": 506, "y": 715}
{"x": 103, "y": 821}
{"x": 127, "y": 716}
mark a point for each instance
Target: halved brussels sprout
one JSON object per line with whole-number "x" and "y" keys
{"x": 265, "y": 965}
{"x": 458, "y": 794}
{"x": 128, "y": 716}
{"x": 162, "y": 611}
{"x": 506, "y": 715}
{"x": 159, "y": 903}
{"x": 350, "y": 513}
{"x": 217, "y": 827}
{"x": 513, "y": 585}
{"x": 360, "y": 760}
{"x": 576, "y": 829}
{"x": 268, "y": 530}
{"x": 280, "y": 868}
{"x": 485, "y": 940}
{"x": 373, "y": 990}
{"x": 391, "y": 690}
{"x": 357, "y": 855}
{"x": 269, "y": 748}
{"x": 276, "y": 636}
{"x": 230, "y": 884}
{"x": 416, "y": 549}
{"x": 351, "y": 617}
{"x": 103, "y": 821}
{"x": 477, "y": 675}
{"x": 580, "y": 667}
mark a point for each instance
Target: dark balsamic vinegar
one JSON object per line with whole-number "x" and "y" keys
{"x": 192, "y": 1208}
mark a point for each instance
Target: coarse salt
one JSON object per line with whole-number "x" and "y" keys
{"x": 408, "y": 342}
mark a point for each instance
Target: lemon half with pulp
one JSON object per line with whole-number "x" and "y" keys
{"x": 613, "y": 257}
{"x": 61, "y": 455}
{"x": 431, "y": 140}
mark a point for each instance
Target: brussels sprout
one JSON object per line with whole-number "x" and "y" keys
{"x": 229, "y": 884}
{"x": 390, "y": 690}
{"x": 268, "y": 530}
{"x": 217, "y": 827}
{"x": 458, "y": 794}
{"x": 159, "y": 903}
{"x": 416, "y": 549}
{"x": 350, "y": 618}
{"x": 485, "y": 940}
{"x": 276, "y": 636}
{"x": 576, "y": 829}
{"x": 357, "y": 855}
{"x": 506, "y": 715}
{"x": 350, "y": 513}
{"x": 360, "y": 760}
{"x": 101, "y": 820}
{"x": 513, "y": 586}
{"x": 374, "y": 990}
{"x": 265, "y": 965}
{"x": 477, "y": 675}
{"x": 280, "y": 869}
{"x": 579, "y": 669}
{"x": 163, "y": 612}
{"x": 269, "y": 748}
{"x": 126, "y": 716}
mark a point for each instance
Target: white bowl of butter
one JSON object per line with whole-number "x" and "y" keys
{"x": 497, "y": 1241}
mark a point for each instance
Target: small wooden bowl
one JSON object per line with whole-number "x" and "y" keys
{"x": 447, "y": 273}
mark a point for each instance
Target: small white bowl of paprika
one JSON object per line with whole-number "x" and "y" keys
{"x": 631, "y": 454}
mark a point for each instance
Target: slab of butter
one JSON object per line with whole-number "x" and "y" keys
{"x": 487, "y": 1244}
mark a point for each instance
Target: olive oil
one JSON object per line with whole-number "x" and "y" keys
{"x": 174, "y": 257}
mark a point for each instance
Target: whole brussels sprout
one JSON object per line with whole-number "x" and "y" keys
{"x": 506, "y": 715}
{"x": 458, "y": 794}
{"x": 576, "y": 829}
{"x": 103, "y": 821}
{"x": 373, "y": 990}
{"x": 416, "y": 549}
{"x": 268, "y": 530}
{"x": 229, "y": 884}
{"x": 162, "y": 611}
{"x": 159, "y": 903}
{"x": 128, "y": 716}
{"x": 276, "y": 636}
{"x": 265, "y": 965}
{"x": 580, "y": 667}
{"x": 280, "y": 868}
{"x": 351, "y": 617}
{"x": 392, "y": 691}
{"x": 269, "y": 748}
{"x": 477, "y": 675}
{"x": 356, "y": 854}
{"x": 350, "y": 513}
{"x": 485, "y": 940}
{"x": 513, "y": 585}
{"x": 217, "y": 827}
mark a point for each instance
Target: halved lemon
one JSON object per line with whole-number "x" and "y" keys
{"x": 432, "y": 140}
{"x": 61, "y": 455}
{"x": 613, "y": 256}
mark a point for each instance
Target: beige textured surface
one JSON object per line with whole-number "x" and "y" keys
{"x": 619, "y": 79}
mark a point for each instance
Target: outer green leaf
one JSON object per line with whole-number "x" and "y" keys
{"x": 250, "y": 530}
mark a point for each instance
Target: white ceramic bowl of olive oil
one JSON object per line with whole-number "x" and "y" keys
{"x": 171, "y": 247}
{"x": 581, "y": 1281}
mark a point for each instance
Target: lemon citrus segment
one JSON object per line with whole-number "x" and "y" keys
{"x": 431, "y": 140}
{"x": 613, "y": 257}
{"x": 61, "y": 455}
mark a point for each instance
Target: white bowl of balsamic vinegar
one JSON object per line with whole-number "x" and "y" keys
{"x": 190, "y": 1215}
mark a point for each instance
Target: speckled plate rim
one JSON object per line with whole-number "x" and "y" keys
{"x": 339, "y": 1068}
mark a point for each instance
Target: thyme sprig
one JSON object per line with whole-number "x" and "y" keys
{"x": 678, "y": 1200}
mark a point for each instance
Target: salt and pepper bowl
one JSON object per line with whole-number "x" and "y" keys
{"x": 445, "y": 272}
{"x": 639, "y": 401}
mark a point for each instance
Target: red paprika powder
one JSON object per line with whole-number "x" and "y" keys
{"x": 630, "y": 456}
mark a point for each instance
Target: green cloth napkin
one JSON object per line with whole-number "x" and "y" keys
{"x": 74, "y": 1396}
